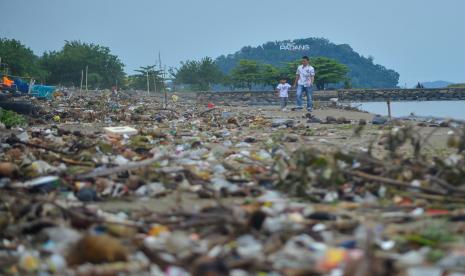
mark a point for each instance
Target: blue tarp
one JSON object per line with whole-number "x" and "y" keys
{"x": 42, "y": 91}
{"x": 21, "y": 85}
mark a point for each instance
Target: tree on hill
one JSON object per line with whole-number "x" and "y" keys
{"x": 19, "y": 59}
{"x": 64, "y": 66}
{"x": 200, "y": 75}
{"x": 246, "y": 74}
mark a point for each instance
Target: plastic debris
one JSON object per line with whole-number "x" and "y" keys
{"x": 124, "y": 130}
{"x": 207, "y": 189}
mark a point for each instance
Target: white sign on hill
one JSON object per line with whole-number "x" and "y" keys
{"x": 291, "y": 46}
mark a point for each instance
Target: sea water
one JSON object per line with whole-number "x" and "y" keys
{"x": 439, "y": 109}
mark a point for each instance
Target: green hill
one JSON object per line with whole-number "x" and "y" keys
{"x": 362, "y": 71}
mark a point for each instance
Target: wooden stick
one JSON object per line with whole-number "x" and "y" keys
{"x": 166, "y": 109}
{"x": 446, "y": 185}
{"x": 392, "y": 182}
{"x": 17, "y": 141}
{"x": 115, "y": 170}
{"x": 207, "y": 111}
{"x": 443, "y": 198}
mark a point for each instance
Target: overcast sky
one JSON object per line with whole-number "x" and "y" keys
{"x": 424, "y": 40}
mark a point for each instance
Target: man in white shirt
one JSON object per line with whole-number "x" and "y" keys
{"x": 305, "y": 77}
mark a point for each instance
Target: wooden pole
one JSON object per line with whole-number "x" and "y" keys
{"x": 155, "y": 74}
{"x": 87, "y": 70}
{"x": 155, "y": 82}
{"x": 148, "y": 83}
{"x": 164, "y": 88}
{"x": 82, "y": 79}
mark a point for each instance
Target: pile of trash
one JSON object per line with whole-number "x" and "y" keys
{"x": 297, "y": 209}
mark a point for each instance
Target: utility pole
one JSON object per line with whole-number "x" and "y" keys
{"x": 87, "y": 70}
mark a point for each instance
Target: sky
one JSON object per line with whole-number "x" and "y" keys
{"x": 423, "y": 40}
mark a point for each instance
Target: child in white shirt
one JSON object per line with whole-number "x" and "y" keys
{"x": 283, "y": 90}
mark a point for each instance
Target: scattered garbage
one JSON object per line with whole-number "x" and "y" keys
{"x": 211, "y": 190}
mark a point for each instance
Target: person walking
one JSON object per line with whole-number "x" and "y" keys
{"x": 305, "y": 77}
{"x": 283, "y": 93}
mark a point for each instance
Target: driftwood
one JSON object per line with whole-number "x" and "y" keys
{"x": 392, "y": 182}
{"x": 115, "y": 170}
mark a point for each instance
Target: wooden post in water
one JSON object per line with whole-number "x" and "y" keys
{"x": 389, "y": 109}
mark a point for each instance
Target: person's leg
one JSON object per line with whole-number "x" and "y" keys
{"x": 309, "y": 94}
{"x": 282, "y": 102}
{"x": 299, "y": 96}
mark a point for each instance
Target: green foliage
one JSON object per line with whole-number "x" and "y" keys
{"x": 139, "y": 81}
{"x": 246, "y": 74}
{"x": 11, "y": 118}
{"x": 290, "y": 68}
{"x": 19, "y": 59}
{"x": 65, "y": 66}
{"x": 328, "y": 71}
{"x": 269, "y": 75}
{"x": 363, "y": 72}
{"x": 200, "y": 75}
